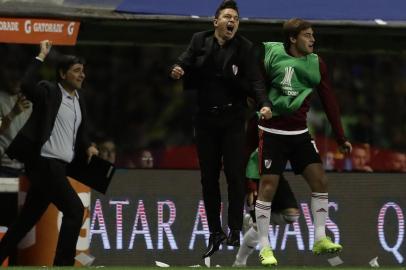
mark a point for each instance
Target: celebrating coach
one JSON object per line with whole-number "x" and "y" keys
{"x": 219, "y": 64}
{"x": 53, "y": 136}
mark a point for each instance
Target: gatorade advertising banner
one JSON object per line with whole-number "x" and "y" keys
{"x": 32, "y": 31}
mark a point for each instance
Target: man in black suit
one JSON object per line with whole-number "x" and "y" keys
{"x": 220, "y": 65}
{"x": 54, "y": 136}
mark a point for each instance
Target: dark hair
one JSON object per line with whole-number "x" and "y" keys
{"x": 226, "y": 4}
{"x": 292, "y": 28}
{"x": 65, "y": 62}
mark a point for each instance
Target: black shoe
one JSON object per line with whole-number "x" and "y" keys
{"x": 233, "y": 238}
{"x": 215, "y": 241}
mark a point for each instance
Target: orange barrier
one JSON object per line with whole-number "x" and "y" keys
{"x": 3, "y": 230}
{"x": 33, "y": 30}
{"x": 38, "y": 247}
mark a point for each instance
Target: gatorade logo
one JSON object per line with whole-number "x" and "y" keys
{"x": 71, "y": 28}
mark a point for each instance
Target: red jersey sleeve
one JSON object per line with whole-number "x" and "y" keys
{"x": 330, "y": 103}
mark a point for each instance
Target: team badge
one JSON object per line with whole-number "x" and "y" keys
{"x": 268, "y": 163}
{"x": 235, "y": 69}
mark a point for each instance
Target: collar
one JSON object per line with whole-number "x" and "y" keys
{"x": 225, "y": 45}
{"x": 66, "y": 93}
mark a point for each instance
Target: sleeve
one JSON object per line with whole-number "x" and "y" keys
{"x": 30, "y": 86}
{"x": 256, "y": 75}
{"x": 187, "y": 58}
{"x": 330, "y": 103}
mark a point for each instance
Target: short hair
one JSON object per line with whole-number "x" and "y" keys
{"x": 226, "y": 4}
{"x": 65, "y": 62}
{"x": 292, "y": 28}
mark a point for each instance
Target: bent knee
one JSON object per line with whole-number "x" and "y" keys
{"x": 280, "y": 219}
{"x": 291, "y": 218}
{"x": 291, "y": 215}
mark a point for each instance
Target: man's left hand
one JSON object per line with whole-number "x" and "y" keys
{"x": 345, "y": 148}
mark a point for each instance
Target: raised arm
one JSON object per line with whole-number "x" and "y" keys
{"x": 29, "y": 83}
{"x": 185, "y": 61}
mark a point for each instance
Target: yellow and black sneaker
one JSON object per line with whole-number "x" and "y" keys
{"x": 266, "y": 257}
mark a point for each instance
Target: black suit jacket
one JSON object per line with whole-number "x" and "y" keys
{"x": 240, "y": 68}
{"x": 46, "y": 98}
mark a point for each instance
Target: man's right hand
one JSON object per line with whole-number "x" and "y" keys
{"x": 45, "y": 48}
{"x": 177, "y": 72}
{"x": 266, "y": 113}
{"x": 21, "y": 105}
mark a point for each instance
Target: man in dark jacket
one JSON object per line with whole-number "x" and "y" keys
{"x": 219, "y": 64}
{"x": 54, "y": 135}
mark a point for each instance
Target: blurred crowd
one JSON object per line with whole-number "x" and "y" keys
{"x": 140, "y": 117}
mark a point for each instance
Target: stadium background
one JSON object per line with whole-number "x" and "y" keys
{"x": 129, "y": 47}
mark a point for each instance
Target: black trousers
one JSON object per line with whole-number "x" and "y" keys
{"x": 48, "y": 184}
{"x": 220, "y": 140}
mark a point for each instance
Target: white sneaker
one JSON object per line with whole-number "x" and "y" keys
{"x": 247, "y": 222}
{"x": 238, "y": 264}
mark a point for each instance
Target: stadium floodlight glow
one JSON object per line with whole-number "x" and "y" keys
{"x": 380, "y": 22}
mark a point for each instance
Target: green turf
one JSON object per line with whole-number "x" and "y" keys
{"x": 189, "y": 268}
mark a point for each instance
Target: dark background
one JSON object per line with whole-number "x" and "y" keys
{"x": 132, "y": 101}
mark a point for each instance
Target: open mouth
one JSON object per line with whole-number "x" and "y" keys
{"x": 230, "y": 28}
